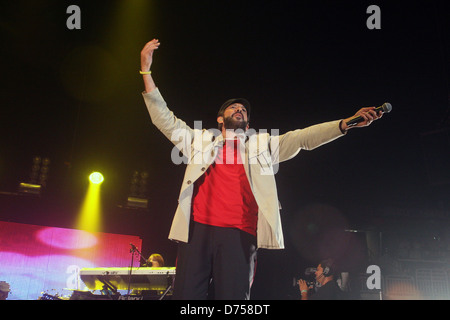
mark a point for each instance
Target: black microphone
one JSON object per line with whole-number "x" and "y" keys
{"x": 385, "y": 108}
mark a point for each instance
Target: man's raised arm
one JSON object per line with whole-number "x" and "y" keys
{"x": 176, "y": 130}
{"x": 146, "y": 63}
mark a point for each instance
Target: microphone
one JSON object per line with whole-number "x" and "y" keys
{"x": 385, "y": 108}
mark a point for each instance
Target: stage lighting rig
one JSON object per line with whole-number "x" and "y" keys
{"x": 96, "y": 178}
{"x": 38, "y": 177}
{"x": 137, "y": 198}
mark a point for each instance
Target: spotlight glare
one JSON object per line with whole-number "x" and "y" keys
{"x": 96, "y": 178}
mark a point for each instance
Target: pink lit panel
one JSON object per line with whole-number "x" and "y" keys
{"x": 36, "y": 259}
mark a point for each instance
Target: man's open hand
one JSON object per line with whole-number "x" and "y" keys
{"x": 147, "y": 54}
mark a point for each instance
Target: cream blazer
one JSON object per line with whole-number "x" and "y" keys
{"x": 261, "y": 153}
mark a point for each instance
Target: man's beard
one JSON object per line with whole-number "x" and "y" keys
{"x": 231, "y": 123}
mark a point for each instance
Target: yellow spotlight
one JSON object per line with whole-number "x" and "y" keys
{"x": 90, "y": 215}
{"x": 96, "y": 178}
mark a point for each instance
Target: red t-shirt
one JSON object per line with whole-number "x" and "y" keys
{"x": 222, "y": 196}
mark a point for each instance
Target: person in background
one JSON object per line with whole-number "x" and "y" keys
{"x": 155, "y": 260}
{"x": 327, "y": 287}
{"x": 4, "y": 290}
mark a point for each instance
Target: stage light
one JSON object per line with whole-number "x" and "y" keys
{"x": 90, "y": 214}
{"x": 38, "y": 177}
{"x": 136, "y": 203}
{"x": 29, "y": 188}
{"x": 137, "y": 198}
{"x": 96, "y": 178}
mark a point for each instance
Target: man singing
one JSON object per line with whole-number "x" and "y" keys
{"x": 228, "y": 205}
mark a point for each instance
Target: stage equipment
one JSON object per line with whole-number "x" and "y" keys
{"x": 96, "y": 178}
{"x": 137, "y": 198}
{"x": 122, "y": 279}
{"x": 38, "y": 177}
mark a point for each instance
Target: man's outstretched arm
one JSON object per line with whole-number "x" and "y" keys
{"x": 288, "y": 145}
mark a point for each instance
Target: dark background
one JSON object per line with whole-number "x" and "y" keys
{"x": 74, "y": 96}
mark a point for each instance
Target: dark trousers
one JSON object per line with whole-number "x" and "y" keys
{"x": 217, "y": 263}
